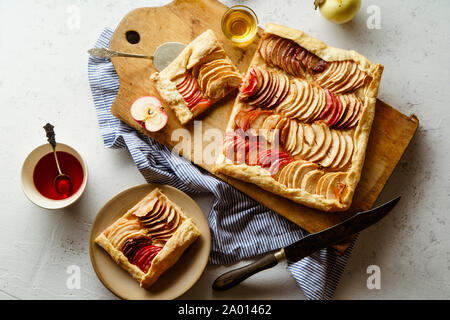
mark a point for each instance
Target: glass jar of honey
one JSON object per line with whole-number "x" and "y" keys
{"x": 240, "y": 25}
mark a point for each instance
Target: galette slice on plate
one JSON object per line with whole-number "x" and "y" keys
{"x": 200, "y": 76}
{"x": 149, "y": 238}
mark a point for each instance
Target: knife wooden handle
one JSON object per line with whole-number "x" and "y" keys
{"x": 230, "y": 279}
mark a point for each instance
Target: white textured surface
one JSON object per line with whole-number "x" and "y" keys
{"x": 44, "y": 79}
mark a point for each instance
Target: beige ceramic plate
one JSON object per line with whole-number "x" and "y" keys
{"x": 175, "y": 281}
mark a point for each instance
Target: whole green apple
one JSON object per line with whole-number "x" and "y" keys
{"x": 339, "y": 11}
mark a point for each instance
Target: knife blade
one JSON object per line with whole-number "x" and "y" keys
{"x": 307, "y": 246}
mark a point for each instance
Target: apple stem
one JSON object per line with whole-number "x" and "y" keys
{"x": 318, "y": 3}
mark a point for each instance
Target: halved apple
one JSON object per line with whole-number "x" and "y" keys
{"x": 149, "y": 112}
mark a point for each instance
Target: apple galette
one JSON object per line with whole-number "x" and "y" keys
{"x": 301, "y": 122}
{"x": 149, "y": 238}
{"x": 200, "y": 76}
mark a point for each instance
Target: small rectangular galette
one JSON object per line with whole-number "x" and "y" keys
{"x": 301, "y": 122}
{"x": 200, "y": 76}
{"x": 149, "y": 238}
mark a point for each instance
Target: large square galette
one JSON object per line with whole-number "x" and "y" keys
{"x": 149, "y": 238}
{"x": 301, "y": 122}
{"x": 200, "y": 76}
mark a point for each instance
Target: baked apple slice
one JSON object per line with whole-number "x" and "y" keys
{"x": 336, "y": 186}
{"x": 322, "y": 152}
{"x": 333, "y": 151}
{"x": 341, "y": 153}
{"x": 349, "y": 147}
{"x": 309, "y": 182}
{"x": 323, "y": 183}
{"x": 289, "y": 100}
{"x": 289, "y": 173}
{"x": 298, "y": 176}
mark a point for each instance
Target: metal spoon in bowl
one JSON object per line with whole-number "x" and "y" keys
{"x": 162, "y": 57}
{"x": 63, "y": 182}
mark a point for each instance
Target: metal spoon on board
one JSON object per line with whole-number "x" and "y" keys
{"x": 162, "y": 57}
{"x": 63, "y": 182}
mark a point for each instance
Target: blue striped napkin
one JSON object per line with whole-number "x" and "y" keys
{"x": 240, "y": 227}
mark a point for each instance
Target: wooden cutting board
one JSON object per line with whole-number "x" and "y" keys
{"x": 183, "y": 21}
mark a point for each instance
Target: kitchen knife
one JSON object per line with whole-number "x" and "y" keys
{"x": 307, "y": 246}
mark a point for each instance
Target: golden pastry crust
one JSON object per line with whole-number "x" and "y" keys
{"x": 262, "y": 178}
{"x": 196, "y": 53}
{"x": 183, "y": 237}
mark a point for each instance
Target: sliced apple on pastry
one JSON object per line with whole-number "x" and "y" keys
{"x": 249, "y": 118}
{"x": 201, "y": 106}
{"x": 324, "y": 181}
{"x": 285, "y": 173}
{"x": 295, "y": 172}
{"x": 250, "y": 85}
{"x": 289, "y": 56}
{"x": 341, "y": 77}
{"x": 222, "y": 83}
{"x": 348, "y": 153}
{"x": 333, "y": 151}
{"x": 336, "y": 186}
{"x": 191, "y": 93}
{"x": 309, "y": 182}
{"x": 264, "y": 89}
{"x": 149, "y": 112}
{"x": 321, "y": 151}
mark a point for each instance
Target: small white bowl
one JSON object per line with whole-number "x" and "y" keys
{"x": 29, "y": 188}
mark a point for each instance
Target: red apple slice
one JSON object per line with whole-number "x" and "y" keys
{"x": 283, "y": 52}
{"x": 180, "y": 86}
{"x": 265, "y": 102}
{"x": 275, "y": 54}
{"x": 357, "y": 116}
{"x": 329, "y": 105}
{"x": 265, "y": 90}
{"x": 348, "y": 110}
{"x": 281, "y": 93}
{"x": 341, "y": 111}
{"x": 249, "y": 88}
{"x": 259, "y": 77}
{"x": 263, "y": 84}
{"x": 338, "y": 110}
{"x": 301, "y": 56}
{"x": 190, "y": 90}
{"x": 309, "y": 58}
{"x": 320, "y": 66}
{"x": 289, "y": 51}
{"x": 201, "y": 106}
{"x": 194, "y": 99}
{"x": 334, "y": 112}
{"x": 297, "y": 66}
{"x": 265, "y": 158}
{"x": 277, "y": 89}
{"x": 263, "y": 46}
{"x": 278, "y": 159}
{"x": 242, "y": 119}
{"x": 269, "y": 49}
